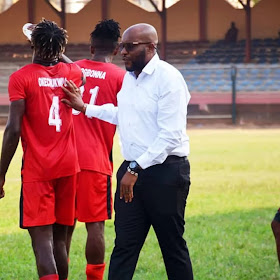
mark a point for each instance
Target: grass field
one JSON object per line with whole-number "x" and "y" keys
{"x": 234, "y": 195}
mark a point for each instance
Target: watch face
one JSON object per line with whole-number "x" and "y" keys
{"x": 133, "y": 164}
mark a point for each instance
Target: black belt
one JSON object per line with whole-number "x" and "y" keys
{"x": 172, "y": 159}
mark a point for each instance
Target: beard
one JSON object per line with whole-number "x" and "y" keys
{"x": 138, "y": 63}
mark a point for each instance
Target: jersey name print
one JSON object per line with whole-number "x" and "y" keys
{"x": 48, "y": 82}
{"x": 94, "y": 73}
{"x": 47, "y": 135}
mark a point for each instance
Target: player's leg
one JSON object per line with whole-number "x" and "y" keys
{"x": 71, "y": 229}
{"x": 93, "y": 208}
{"x": 275, "y": 225}
{"x": 59, "y": 250}
{"x": 70, "y": 232}
{"x": 37, "y": 215}
{"x": 42, "y": 243}
{"x": 95, "y": 250}
{"x": 65, "y": 192}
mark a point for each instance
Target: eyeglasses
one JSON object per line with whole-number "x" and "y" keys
{"x": 130, "y": 46}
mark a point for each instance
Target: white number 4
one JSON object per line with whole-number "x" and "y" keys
{"x": 54, "y": 118}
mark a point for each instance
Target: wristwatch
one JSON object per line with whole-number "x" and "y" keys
{"x": 133, "y": 168}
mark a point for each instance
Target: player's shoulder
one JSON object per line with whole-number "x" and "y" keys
{"x": 115, "y": 68}
{"x": 72, "y": 67}
{"x": 23, "y": 71}
{"x": 81, "y": 62}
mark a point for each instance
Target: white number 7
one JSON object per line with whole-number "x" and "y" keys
{"x": 54, "y": 118}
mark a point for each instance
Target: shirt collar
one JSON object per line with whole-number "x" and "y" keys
{"x": 151, "y": 66}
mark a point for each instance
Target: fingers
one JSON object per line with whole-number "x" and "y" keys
{"x": 71, "y": 89}
{"x": 69, "y": 93}
{"x": 66, "y": 101}
{"x": 72, "y": 86}
{"x": 128, "y": 197}
{"x": 130, "y": 194}
{"x": 126, "y": 192}
{"x": 126, "y": 186}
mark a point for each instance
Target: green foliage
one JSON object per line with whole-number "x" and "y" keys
{"x": 234, "y": 196}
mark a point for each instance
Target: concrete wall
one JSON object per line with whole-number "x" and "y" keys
{"x": 182, "y": 19}
{"x": 266, "y": 19}
{"x": 220, "y": 15}
{"x": 14, "y": 18}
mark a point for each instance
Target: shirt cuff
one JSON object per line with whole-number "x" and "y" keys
{"x": 144, "y": 161}
{"x": 92, "y": 110}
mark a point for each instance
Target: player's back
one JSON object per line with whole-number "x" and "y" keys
{"x": 95, "y": 137}
{"x": 47, "y": 128}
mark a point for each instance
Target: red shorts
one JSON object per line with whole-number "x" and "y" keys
{"x": 94, "y": 199}
{"x": 48, "y": 202}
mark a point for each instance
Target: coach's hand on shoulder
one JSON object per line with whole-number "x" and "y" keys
{"x": 74, "y": 98}
{"x": 126, "y": 188}
{"x": 2, "y": 182}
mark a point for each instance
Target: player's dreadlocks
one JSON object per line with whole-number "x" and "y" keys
{"x": 49, "y": 40}
{"x": 105, "y": 35}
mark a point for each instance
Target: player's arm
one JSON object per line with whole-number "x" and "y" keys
{"x": 106, "y": 112}
{"x": 11, "y": 139}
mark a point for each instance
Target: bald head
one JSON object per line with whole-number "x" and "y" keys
{"x": 139, "y": 46}
{"x": 141, "y": 32}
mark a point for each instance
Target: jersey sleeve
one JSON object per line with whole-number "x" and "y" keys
{"x": 16, "y": 88}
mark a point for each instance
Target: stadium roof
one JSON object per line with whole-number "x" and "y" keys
{"x": 147, "y": 5}
{"x": 73, "y": 6}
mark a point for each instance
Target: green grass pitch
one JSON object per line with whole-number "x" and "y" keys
{"x": 233, "y": 198}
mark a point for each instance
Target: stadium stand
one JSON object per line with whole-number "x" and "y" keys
{"x": 217, "y": 77}
{"x": 263, "y": 51}
{"x": 206, "y": 67}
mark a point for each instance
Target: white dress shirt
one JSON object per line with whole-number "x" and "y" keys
{"x": 151, "y": 114}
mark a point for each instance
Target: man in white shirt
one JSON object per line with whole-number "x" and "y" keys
{"x": 153, "y": 181}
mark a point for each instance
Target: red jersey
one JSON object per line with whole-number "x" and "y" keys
{"x": 95, "y": 137}
{"x": 47, "y": 133}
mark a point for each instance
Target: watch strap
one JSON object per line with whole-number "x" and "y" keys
{"x": 132, "y": 172}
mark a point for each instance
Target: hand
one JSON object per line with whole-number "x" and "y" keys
{"x": 74, "y": 97}
{"x": 2, "y": 182}
{"x": 126, "y": 189}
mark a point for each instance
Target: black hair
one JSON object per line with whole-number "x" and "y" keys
{"x": 105, "y": 35}
{"x": 48, "y": 40}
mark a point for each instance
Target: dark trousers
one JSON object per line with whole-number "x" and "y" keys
{"x": 160, "y": 195}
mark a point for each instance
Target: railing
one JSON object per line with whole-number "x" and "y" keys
{"x": 232, "y": 85}
{"x": 210, "y": 85}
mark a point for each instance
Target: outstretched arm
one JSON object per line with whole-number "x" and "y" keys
{"x": 106, "y": 112}
{"x": 10, "y": 139}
